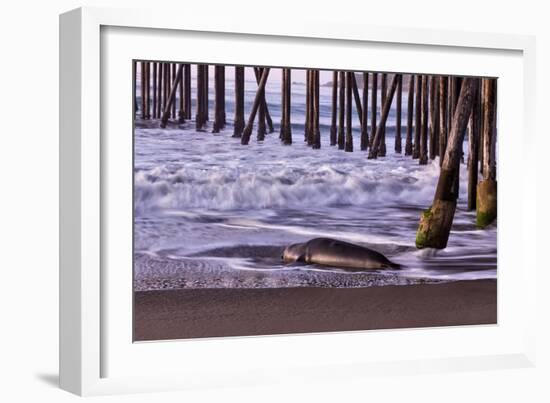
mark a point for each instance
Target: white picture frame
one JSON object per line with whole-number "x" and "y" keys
{"x": 86, "y": 310}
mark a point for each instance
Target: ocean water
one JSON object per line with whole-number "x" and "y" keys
{"x": 212, "y": 213}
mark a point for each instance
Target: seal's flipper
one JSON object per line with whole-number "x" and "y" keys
{"x": 301, "y": 258}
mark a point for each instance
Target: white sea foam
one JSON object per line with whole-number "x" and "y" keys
{"x": 253, "y": 187}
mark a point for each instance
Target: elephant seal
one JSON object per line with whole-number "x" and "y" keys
{"x": 331, "y": 252}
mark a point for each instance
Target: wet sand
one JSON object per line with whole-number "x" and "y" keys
{"x": 195, "y": 313}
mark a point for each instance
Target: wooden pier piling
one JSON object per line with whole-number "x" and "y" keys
{"x": 262, "y": 111}
{"x": 486, "y": 209}
{"x": 181, "y": 112}
{"x": 357, "y": 99}
{"x": 365, "y": 114}
{"x": 334, "y": 110}
{"x": 268, "y": 122}
{"x": 383, "y": 96}
{"x": 410, "y": 115}
{"x": 164, "y": 86}
{"x": 398, "y": 102}
{"x": 148, "y": 90}
{"x": 206, "y": 83}
{"x": 238, "y": 125}
{"x": 167, "y": 84}
{"x": 173, "y": 76}
{"x": 200, "y": 118}
{"x": 423, "y": 160}
{"x": 432, "y": 115}
{"x": 142, "y": 90}
{"x": 473, "y": 145}
{"x": 286, "y": 108}
{"x": 219, "y": 99}
{"x": 283, "y": 103}
{"x": 435, "y": 223}
{"x": 316, "y": 101}
{"x": 307, "y": 125}
{"x": 171, "y": 97}
{"x": 341, "y": 111}
{"x": 349, "y": 136}
{"x": 159, "y": 90}
{"x": 155, "y": 115}
{"x": 134, "y": 88}
{"x": 377, "y": 142}
{"x": 374, "y": 112}
{"x": 417, "y": 117}
{"x": 443, "y": 117}
{"x": 187, "y": 90}
{"x": 245, "y": 138}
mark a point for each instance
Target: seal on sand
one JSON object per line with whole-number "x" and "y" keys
{"x": 331, "y": 252}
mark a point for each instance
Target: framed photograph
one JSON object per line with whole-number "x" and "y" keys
{"x": 237, "y": 196}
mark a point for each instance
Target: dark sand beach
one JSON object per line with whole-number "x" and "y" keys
{"x": 196, "y": 313}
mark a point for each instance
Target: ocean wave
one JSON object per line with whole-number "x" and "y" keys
{"x": 242, "y": 187}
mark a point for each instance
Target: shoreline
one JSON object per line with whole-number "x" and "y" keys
{"x": 200, "y": 313}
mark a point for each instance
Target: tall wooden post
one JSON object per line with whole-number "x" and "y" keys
{"x": 206, "y": 82}
{"x": 222, "y": 98}
{"x": 142, "y": 90}
{"x": 341, "y": 111}
{"x": 334, "y": 117}
{"x": 199, "y": 117}
{"x": 134, "y": 87}
{"x": 443, "y": 96}
{"x": 432, "y": 115}
{"x": 238, "y": 125}
{"x": 487, "y": 188}
{"x": 187, "y": 90}
{"x": 268, "y": 122}
{"x": 154, "y": 90}
{"x": 424, "y": 123}
{"x": 164, "y": 85}
{"x": 159, "y": 90}
{"x": 383, "y": 96}
{"x": 436, "y": 114}
{"x": 287, "y": 131}
{"x": 148, "y": 89}
{"x": 357, "y": 98}
{"x": 316, "y": 131}
{"x": 307, "y": 126}
{"x": 398, "y": 102}
{"x": 168, "y": 82}
{"x": 311, "y": 123}
{"x": 173, "y": 81}
{"x": 374, "y": 112}
{"x": 349, "y": 136}
{"x": 283, "y": 103}
{"x": 377, "y": 142}
{"x": 458, "y": 87}
{"x": 435, "y": 223}
{"x": 219, "y": 100}
{"x": 417, "y": 117}
{"x": 255, "y": 106}
{"x": 451, "y": 91}
{"x": 262, "y": 129}
{"x": 473, "y": 145}
{"x": 410, "y": 114}
{"x": 172, "y": 96}
{"x": 365, "y": 117}
{"x": 456, "y": 83}
{"x": 181, "y": 112}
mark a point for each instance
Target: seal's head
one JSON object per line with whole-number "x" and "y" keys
{"x": 294, "y": 253}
